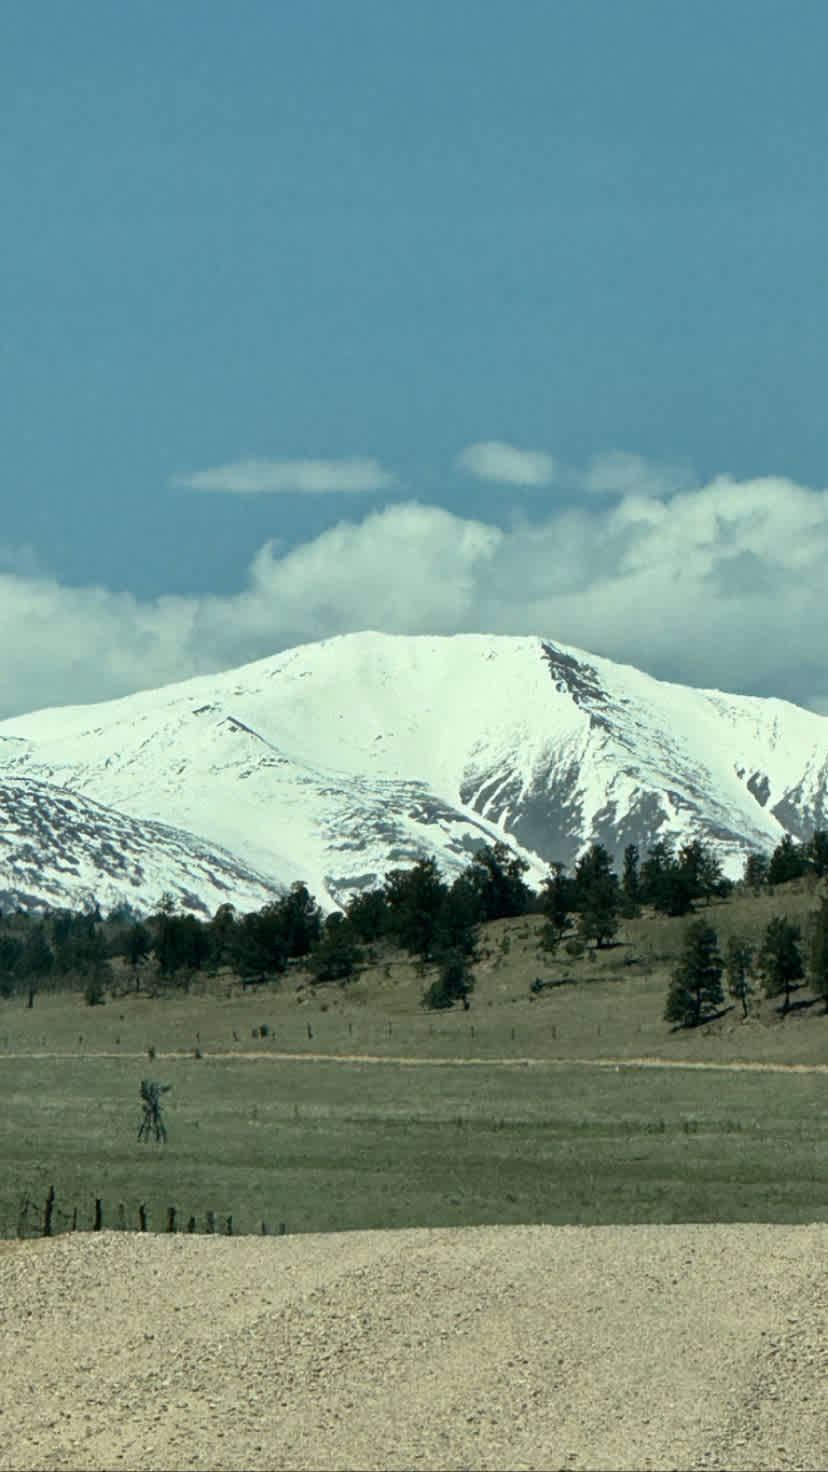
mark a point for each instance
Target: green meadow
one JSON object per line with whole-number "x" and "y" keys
{"x": 336, "y": 1107}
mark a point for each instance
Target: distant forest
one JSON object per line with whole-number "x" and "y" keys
{"x": 415, "y": 909}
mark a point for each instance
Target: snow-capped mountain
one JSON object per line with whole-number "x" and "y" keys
{"x": 336, "y": 761}
{"x": 60, "y": 849}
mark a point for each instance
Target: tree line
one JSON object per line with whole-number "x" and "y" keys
{"x": 415, "y": 909}
{"x": 777, "y": 965}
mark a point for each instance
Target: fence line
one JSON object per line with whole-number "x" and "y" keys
{"x": 49, "y": 1219}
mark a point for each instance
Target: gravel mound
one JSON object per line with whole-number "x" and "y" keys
{"x": 489, "y": 1347}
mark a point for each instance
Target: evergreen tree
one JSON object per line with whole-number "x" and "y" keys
{"x": 660, "y": 858}
{"x": 788, "y": 861}
{"x": 703, "y": 871}
{"x": 816, "y": 852}
{"x": 780, "y": 960}
{"x": 79, "y": 944}
{"x": 181, "y": 943}
{"x": 631, "y": 882}
{"x": 598, "y": 919}
{"x": 415, "y": 899}
{"x": 596, "y": 895}
{"x": 593, "y": 867}
{"x": 460, "y": 915}
{"x": 696, "y": 981}
{"x": 98, "y": 978}
{"x": 336, "y": 954}
{"x": 10, "y": 948}
{"x": 691, "y": 858}
{"x": 666, "y": 885}
{"x": 454, "y": 983}
{"x": 258, "y": 944}
{"x": 35, "y": 958}
{"x": 367, "y": 912}
{"x": 136, "y": 943}
{"x": 738, "y": 963}
{"x": 300, "y": 920}
{"x": 756, "y": 871}
{"x": 220, "y": 930}
{"x": 497, "y": 875}
{"x": 556, "y": 903}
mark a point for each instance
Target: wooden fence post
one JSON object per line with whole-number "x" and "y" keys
{"x": 47, "y": 1212}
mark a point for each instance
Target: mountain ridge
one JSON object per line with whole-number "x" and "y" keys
{"x": 335, "y": 761}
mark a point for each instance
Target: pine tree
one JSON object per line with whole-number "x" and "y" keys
{"x": 596, "y": 895}
{"x": 780, "y": 960}
{"x": 788, "y": 861}
{"x": 711, "y": 879}
{"x": 35, "y": 958}
{"x": 631, "y": 882}
{"x": 665, "y": 884}
{"x": 556, "y": 903}
{"x": 368, "y": 913}
{"x": 336, "y": 954}
{"x": 454, "y": 983}
{"x": 738, "y": 962}
{"x": 458, "y": 922}
{"x": 300, "y": 920}
{"x": 598, "y": 919}
{"x": 497, "y": 875}
{"x": 816, "y": 851}
{"x": 756, "y": 871}
{"x": 415, "y": 898}
{"x": 696, "y": 981}
{"x": 592, "y": 867}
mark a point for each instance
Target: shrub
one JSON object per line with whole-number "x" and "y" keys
{"x": 94, "y": 991}
{"x": 452, "y": 985}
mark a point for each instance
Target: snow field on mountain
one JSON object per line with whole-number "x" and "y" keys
{"x": 341, "y": 759}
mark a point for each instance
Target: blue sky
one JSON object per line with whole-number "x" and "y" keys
{"x": 437, "y": 316}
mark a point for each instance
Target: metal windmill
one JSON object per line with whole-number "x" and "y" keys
{"x": 152, "y": 1123}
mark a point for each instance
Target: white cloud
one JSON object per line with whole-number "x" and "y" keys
{"x": 615, "y": 473}
{"x": 494, "y": 460}
{"x": 619, "y": 473}
{"x": 307, "y": 477}
{"x": 723, "y": 586}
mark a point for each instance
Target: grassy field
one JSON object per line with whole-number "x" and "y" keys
{"x": 515, "y": 1111}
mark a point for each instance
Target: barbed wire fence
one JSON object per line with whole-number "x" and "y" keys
{"x": 47, "y": 1218}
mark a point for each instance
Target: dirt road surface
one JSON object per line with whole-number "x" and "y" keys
{"x": 663, "y": 1347}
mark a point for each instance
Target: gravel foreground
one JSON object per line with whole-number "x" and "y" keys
{"x": 667, "y": 1347}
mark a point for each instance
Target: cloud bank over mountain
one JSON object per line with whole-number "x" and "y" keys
{"x": 719, "y": 585}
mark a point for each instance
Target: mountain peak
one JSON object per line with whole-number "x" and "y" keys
{"x": 333, "y": 762}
